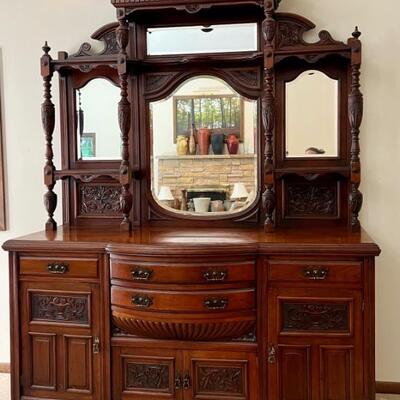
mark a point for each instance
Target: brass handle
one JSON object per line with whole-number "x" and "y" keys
{"x": 186, "y": 381}
{"x": 215, "y": 275}
{"x": 141, "y": 300}
{"x": 271, "y": 354}
{"x": 96, "y": 345}
{"x": 178, "y": 383}
{"x": 216, "y": 303}
{"x": 58, "y": 268}
{"x": 316, "y": 273}
{"x": 141, "y": 274}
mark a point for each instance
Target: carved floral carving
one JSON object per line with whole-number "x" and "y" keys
{"x": 67, "y": 309}
{"x": 109, "y": 40}
{"x": 147, "y": 376}
{"x": 308, "y": 199}
{"x": 223, "y": 379}
{"x": 315, "y": 317}
{"x": 99, "y": 199}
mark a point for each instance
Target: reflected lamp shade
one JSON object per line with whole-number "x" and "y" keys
{"x": 239, "y": 192}
{"x": 165, "y": 194}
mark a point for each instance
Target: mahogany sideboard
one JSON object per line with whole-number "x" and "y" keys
{"x": 217, "y": 314}
{"x": 210, "y": 245}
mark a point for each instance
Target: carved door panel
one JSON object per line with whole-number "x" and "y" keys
{"x": 146, "y": 374}
{"x": 220, "y": 376}
{"x": 315, "y": 349}
{"x": 60, "y": 335}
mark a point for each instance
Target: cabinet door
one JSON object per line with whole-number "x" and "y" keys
{"x": 60, "y": 338}
{"x": 218, "y": 375}
{"x": 315, "y": 344}
{"x": 152, "y": 374}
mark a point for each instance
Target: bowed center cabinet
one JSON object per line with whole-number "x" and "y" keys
{"x": 210, "y": 246}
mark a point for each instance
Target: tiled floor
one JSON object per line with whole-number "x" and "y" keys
{"x": 5, "y": 390}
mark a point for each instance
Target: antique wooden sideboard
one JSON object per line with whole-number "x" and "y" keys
{"x": 210, "y": 246}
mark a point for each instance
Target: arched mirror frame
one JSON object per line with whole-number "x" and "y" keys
{"x": 171, "y": 82}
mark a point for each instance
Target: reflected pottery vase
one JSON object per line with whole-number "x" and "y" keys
{"x": 203, "y": 139}
{"x": 233, "y": 144}
{"x": 217, "y": 143}
{"x": 182, "y": 145}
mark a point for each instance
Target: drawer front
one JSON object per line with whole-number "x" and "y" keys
{"x": 182, "y": 273}
{"x": 315, "y": 271}
{"x": 198, "y": 301}
{"x": 53, "y": 267}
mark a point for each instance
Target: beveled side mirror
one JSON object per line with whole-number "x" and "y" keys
{"x": 312, "y": 115}
{"x": 97, "y": 129}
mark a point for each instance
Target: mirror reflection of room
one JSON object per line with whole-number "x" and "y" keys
{"x": 98, "y": 133}
{"x": 204, "y": 139}
{"x": 312, "y": 116}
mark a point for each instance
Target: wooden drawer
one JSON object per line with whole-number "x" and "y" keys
{"x": 197, "y": 301}
{"x": 315, "y": 271}
{"x": 140, "y": 272}
{"x": 53, "y": 267}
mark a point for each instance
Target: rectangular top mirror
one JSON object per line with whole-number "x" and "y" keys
{"x": 202, "y": 39}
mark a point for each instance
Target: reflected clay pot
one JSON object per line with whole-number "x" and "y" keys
{"x": 203, "y": 139}
{"x": 233, "y": 144}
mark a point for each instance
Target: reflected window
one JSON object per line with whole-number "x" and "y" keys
{"x": 202, "y": 39}
{"x": 312, "y": 116}
{"x": 98, "y": 133}
{"x": 204, "y": 140}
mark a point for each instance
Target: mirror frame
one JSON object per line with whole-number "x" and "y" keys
{"x": 176, "y": 79}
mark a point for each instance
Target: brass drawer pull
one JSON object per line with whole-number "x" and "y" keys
{"x": 141, "y": 274}
{"x": 57, "y": 268}
{"x": 178, "y": 383}
{"x": 316, "y": 273}
{"x": 215, "y": 275}
{"x": 96, "y": 345}
{"x": 216, "y": 303}
{"x": 141, "y": 300}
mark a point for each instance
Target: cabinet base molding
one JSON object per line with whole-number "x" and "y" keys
{"x": 388, "y": 387}
{"x": 4, "y": 368}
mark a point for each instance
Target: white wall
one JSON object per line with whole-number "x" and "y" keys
{"x": 24, "y": 25}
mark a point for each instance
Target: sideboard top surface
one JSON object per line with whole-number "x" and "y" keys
{"x": 169, "y": 240}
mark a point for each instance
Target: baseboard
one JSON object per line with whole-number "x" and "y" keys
{"x": 4, "y": 368}
{"x": 388, "y": 387}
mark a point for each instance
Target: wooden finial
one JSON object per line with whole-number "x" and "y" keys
{"x": 46, "y": 48}
{"x": 356, "y": 34}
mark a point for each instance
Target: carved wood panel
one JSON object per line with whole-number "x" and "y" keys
{"x": 294, "y": 372}
{"x": 149, "y": 374}
{"x": 43, "y": 366}
{"x": 220, "y": 379}
{"x": 97, "y": 200}
{"x": 311, "y": 199}
{"x": 315, "y": 316}
{"x": 60, "y": 308}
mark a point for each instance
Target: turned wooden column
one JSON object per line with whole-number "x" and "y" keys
{"x": 48, "y": 122}
{"x": 124, "y": 117}
{"x": 268, "y": 114}
{"x": 355, "y": 118}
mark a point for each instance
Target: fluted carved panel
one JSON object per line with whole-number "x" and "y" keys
{"x": 99, "y": 200}
{"x": 315, "y": 317}
{"x": 60, "y": 308}
{"x": 219, "y": 329}
{"x": 220, "y": 379}
{"x": 147, "y": 376}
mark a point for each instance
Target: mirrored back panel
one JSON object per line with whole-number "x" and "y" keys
{"x": 312, "y": 116}
{"x": 202, "y": 39}
{"x": 97, "y": 129}
{"x": 204, "y": 149}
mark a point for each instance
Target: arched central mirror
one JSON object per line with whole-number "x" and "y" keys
{"x": 204, "y": 141}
